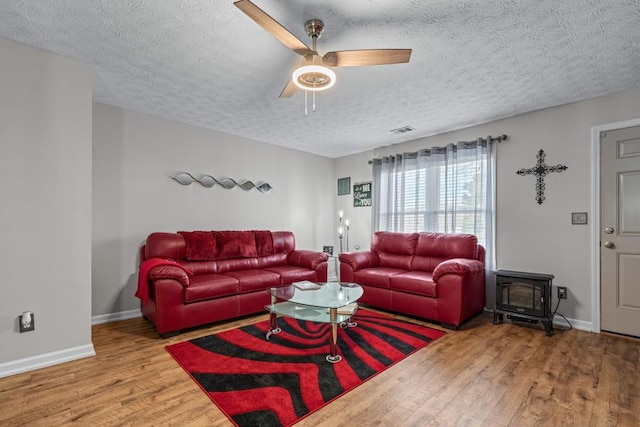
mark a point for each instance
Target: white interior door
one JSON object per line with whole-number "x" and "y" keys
{"x": 620, "y": 231}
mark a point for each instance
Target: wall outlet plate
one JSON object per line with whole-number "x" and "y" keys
{"x": 579, "y": 218}
{"x": 31, "y": 327}
{"x": 562, "y": 292}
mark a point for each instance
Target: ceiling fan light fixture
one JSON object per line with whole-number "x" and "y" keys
{"x": 313, "y": 77}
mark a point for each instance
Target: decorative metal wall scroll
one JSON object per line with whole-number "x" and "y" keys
{"x": 208, "y": 181}
{"x": 540, "y": 170}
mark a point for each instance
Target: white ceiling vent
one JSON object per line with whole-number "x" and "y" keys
{"x": 403, "y": 129}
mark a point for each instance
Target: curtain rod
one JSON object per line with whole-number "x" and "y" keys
{"x": 488, "y": 139}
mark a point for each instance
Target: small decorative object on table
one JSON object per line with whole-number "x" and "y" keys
{"x": 327, "y": 250}
{"x": 348, "y": 309}
{"x": 306, "y": 285}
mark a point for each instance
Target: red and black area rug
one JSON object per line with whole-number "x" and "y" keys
{"x": 256, "y": 382}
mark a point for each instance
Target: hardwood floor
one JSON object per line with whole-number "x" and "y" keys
{"x": 481, "y": 375}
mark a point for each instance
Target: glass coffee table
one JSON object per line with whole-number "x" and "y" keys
{"x": 320, "y": 303}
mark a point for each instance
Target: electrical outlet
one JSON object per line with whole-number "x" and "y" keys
{"x": 31, "y": 326}
{"x": 562, "y": 292}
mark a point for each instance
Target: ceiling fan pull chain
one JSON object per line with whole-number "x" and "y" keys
{"x": 305, "y": 103}
{"x": 314, "y": 101}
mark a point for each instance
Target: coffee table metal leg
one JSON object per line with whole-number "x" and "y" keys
{"x": 273, "y": 327}
{"x": 273, "y": 319}
{"x": 350, "y": 323}
{"x": 333, "y": 356}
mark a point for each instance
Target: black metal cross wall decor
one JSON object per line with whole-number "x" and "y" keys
{"x": 540, "y": 170}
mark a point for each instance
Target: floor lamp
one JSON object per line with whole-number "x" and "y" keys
{"x": 343, "y": 230}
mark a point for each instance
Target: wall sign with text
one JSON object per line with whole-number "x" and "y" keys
{"x": 362, "y": 194}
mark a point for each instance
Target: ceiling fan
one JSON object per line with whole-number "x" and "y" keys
{"x": 314, "y": 73}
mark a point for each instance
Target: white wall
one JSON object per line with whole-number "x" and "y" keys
{"x": 530, "y": 237}
{"x": 45, "y": 219}
{"x": 107, "y": 259}
{"x": 355, "y": 167}
{"x": 134, "y": 157}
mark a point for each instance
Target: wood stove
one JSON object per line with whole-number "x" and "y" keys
{"x": 525, "y": 297}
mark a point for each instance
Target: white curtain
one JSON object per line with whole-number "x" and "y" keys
{"x": 442, "y": 189}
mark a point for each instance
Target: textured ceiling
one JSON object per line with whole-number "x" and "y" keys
{"x": 206, "y": 63}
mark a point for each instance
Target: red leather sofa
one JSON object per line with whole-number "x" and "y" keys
{"x": 187, "y": 279}
{"x": 434, "y": 276}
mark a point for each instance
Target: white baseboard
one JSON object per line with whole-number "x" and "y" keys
{"x": 113, "y": 317}
{"x": 44, "y": 360}
{"x": 62, "y": 356}
{"x": 575, "y": 323}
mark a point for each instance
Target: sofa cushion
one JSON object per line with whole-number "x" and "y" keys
{"x": 394, "y": 243}
{"x": 283, "y": 241}
{"x": 164, "y": 245}
{"x": 264, "y": 242}
{"x": 447, "y": 246}
{"x": 275, "y": 260}
{"x": 402, "y": 262}
{"x": 234, "y": 264}
{"x": 415, "y": 282}
{"x": 206, "y": 286}
{"x": 200, "y": 245}
{"x": 201, "y": 267}
{"x": 253, "y": 280}
{"x": 425, "y": 263}
{"x": 379, "y": 276}
{"x": 292, "y": 273}
{"x": 235, "y": 244}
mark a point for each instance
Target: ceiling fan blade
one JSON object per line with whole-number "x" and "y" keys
{"x": 273, "y": 27}
{"x": 288, "y": 90}
{"x": 357, "y": 58}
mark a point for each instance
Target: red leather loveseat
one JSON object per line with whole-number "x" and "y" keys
{"x": 434, "y": 276}
{"x": 187, "y": 279}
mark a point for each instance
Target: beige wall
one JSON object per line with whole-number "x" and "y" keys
{"x": 530, "y": 237}
{"x": 45, "y": 219}
{"x": 134, "y": 157}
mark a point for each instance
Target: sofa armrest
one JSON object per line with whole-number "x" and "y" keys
{"x": 307, "y": 259}
{"x": 360, "y": 260}
{"x": 144, "y": 274}
{"x": 170, "y": 272}
{"x": 458, "y": 266}
{"x": 460, "y": 285}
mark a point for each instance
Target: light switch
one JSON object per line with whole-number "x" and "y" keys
{"x": 579, "y": 218}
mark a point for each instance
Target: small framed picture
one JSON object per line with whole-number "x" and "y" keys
{"x": 344, "y": 186}
{"x": 327, "y": 250}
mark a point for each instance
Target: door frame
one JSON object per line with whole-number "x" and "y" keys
{"x": 595, "y": 209}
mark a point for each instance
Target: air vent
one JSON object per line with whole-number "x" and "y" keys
{"x": 403, "y": 129}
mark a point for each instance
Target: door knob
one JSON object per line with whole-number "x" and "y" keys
{"x": 609, "y": 230}
{"x": 609, "y": 245}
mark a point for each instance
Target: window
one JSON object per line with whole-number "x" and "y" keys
{"x": 444, "y": 190}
